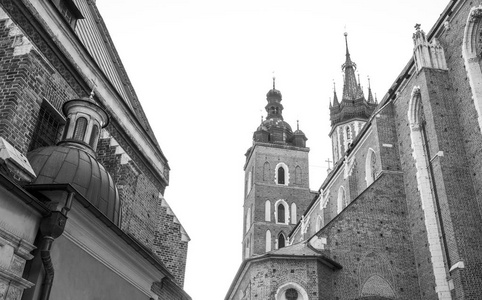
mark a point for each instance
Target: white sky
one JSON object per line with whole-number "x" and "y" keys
{"x": 201, "y": 70}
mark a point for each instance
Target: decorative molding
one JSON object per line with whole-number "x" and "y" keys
{"x": 427, "y": 54}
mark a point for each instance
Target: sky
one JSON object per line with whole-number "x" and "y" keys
{"x": 201, "y": 70}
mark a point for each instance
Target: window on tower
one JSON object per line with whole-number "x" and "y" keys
{"x": 281, "y": 240}
{"x": 80, "y": 127}
{"x": 281, "y": 213}
{"x": 281, "y": 175}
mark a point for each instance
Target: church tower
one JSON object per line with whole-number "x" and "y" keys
{"x": 276, "y": 181}
{"x": 348, "y": 116}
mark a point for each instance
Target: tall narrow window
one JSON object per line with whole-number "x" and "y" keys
{"x": 298, "y": 175}
{"x": 341, "y": 199}
{"x": 79, "y": 130}
{"x": 93, "y": 136}
{"x": 293, "y": 213}
{"x": 281, "y": 175}
{"x": 281, "y": 213}
{"x": 371, "y": 166}
{"x": 248, "y": 219}
{"x": 268, "y": 240}
{"x": 281, "y": 240}
{"x": 267, "y": 211}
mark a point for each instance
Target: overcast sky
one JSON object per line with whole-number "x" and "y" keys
{"x": 202, "y": 68}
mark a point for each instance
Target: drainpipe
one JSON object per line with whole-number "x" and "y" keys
{"x": 51, "y": 227}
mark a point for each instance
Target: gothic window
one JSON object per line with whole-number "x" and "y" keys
{"x": 248, "y": 183}
{"x": 371, "y": 166}
{"x": 80, "y": 127}
{"x": 281, "y": 240}
{"x": 281, "y": 213}
{"x": 266, "y": 171}
{"x": 298, "y": 175}
{"x": 291, "y": 294}
{"x": 268, "y": 240}
{"x": 341, "y": 199}
{"x": 281, "y": 175}
{"x": 267, "y": 211}
{"x": 47, "y": 129}
{"x": 293, "y": 213}
{"x": 93, "y": 136}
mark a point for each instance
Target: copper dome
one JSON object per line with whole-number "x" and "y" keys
{"x": 59, "y": 164}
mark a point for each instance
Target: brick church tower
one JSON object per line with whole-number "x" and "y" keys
{"x": 276, "y": 180}
{"x": 348, "y": 116}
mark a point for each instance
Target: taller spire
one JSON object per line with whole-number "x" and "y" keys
{"x": 350, "y": 86}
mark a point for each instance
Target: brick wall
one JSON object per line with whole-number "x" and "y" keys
{"x": 144, "y": 216}
{"x": 371, "y": 237}
{"x": 26, "y": 78}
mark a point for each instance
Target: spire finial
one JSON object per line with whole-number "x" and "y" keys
{"x": 346, "y": 41}
{"x": 334, "y": 86}
{"x": 274, "y": 81}
{"x": 369, "y": 85}
{"x": 297, "y": 124}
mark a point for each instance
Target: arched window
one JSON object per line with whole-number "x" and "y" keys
{"x": 341, "y": 199}
{"x": 79, "y": 130}
{"x": 293, "y": 213}
{"x": 266, "y": 171}
{"x": 291, "y": 291}
{"x": 94, "y": 135}
{"x": 291, "y": 294}
{"x": 281, "y": 213}
{"x": 298, "y": 175}
{"x": 471, "y": 53}
{"x": 281, "y": 240}
{"x": 370, "y": 166}
{"x": 268, "y": 240}
{"x": 267, "y": 211}
{"x": 248, "y": 219}
{"x": 248, "y": 183}
{"x": 281, "y": 175}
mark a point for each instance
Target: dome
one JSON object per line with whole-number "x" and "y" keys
{"x": 273, "y": 93}
{"x": 59, "y": 164}
{"x": 276, "y": 123}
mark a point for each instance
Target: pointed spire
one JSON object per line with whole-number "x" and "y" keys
{"x": 335, "y": 97}
{"x": 350, "y": 87}
{"x": 297, "y": 124}
{"x": 274, "y": 82}
{"x": 370, "y": 96}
